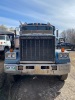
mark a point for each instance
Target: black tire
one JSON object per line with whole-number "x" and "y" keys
{"x": 5, "y": 50}
{"x": 63, "y": 77}
{"x": 16, "y": 77}
{"x": 2, "y": 79}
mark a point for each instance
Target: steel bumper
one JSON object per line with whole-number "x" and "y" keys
{"x": 1, "y": 48}
{"x": 37, "y": 69}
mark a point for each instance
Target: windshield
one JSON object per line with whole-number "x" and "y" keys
{"x": 2, "y": 37}
{"x": 36, "y": 28}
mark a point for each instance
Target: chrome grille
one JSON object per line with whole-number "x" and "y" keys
{"x": 37, "y": 48}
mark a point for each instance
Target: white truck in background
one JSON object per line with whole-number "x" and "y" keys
{"x": 5, "y": 45}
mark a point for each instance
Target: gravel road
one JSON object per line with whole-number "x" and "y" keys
{"x": 41, "y": 87}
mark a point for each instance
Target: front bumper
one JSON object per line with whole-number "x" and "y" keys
{"x": 1, "y": 48}
{"x": 37, "y": 69}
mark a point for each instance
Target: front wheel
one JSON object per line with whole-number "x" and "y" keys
{"x": 16, "y": 77}
{"x": 63, "y": 77}
{"x": 5, "y": 50}
{"x": 2, "y": 79}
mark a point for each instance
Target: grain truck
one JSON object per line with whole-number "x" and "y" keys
{"x": 37, "y": 54}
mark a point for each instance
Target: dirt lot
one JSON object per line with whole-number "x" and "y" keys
{"x": 41, "y": 88}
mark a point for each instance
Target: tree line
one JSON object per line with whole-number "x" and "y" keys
{"x": 69, "y": 35}
{"x": 5, "y": 28}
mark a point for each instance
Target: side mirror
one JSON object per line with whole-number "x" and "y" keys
{"x": 15, "y": 32}
{"x": 57, "y": 33}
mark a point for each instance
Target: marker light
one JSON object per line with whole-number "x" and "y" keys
{"x": 62, "y": 49}
{"x": 11, "y": 50}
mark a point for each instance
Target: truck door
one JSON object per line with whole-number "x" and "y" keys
{"x": 8, "y": 41}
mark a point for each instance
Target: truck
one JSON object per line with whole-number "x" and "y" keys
{"x": 6, "y": 42}
{"x": 37, "y": 54}
{"x": 66, "y": 46}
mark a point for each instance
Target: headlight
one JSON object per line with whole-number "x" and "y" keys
{"x": 66, "y": 55}
{"x": 60, "y": 55}
{"x": 63, "y": 55}
{"x": 11, "y": 55}
{"x": 8, "y": 55}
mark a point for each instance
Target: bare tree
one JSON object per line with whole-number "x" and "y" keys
{"x": 69, "y": 35}
{"x": 2, "y": 27}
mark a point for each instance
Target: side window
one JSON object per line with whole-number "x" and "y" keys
{"x": 7, "y": 38}
{"x": 11, "y": 38}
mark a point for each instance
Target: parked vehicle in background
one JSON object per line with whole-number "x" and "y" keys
{"x": 6, "y": 42}
{"x": 65, "y": 45}
{"x": 5, "y": 45}
{"x": 37, "y": 54}
{"x": 61, "y": 40}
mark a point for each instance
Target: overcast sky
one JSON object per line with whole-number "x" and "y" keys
{"x": 60, "y": 13}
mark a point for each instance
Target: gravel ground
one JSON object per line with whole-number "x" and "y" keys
{"x": 41, "y": 87}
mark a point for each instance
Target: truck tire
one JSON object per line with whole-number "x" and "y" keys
{"x": 16, "y": 77}
{"x": 2, "y": 79}
{"x": 63, "y": 77}
{"x": 5, "y": 50}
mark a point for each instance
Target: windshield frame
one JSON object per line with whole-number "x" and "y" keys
{"x": 38, "y": 27}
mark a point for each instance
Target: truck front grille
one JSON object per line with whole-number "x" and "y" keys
{"x": 37, "y": 48}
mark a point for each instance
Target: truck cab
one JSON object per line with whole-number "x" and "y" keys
{"x": 5, "y": 44}
{"x": 4, "y": 41}
{"x": 37, "y": 54}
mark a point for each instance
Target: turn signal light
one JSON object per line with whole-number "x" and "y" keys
{"x": 62, "y": 49}
{"x": 11, "y": 50}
